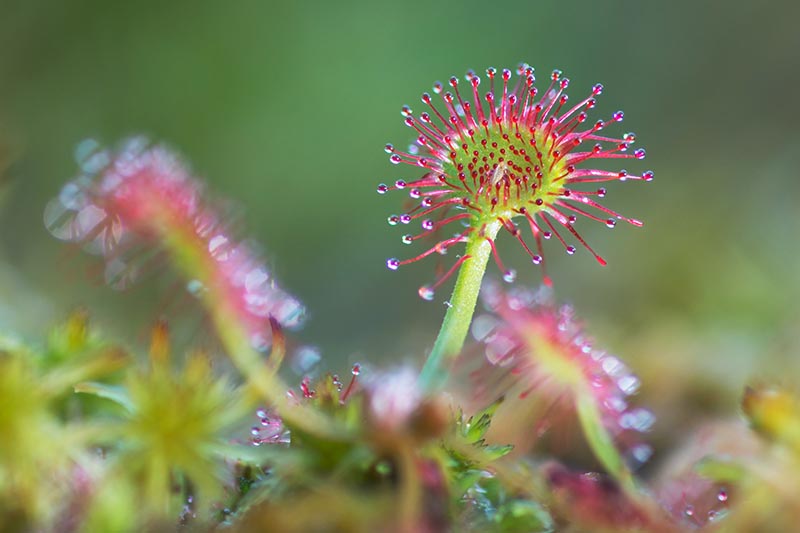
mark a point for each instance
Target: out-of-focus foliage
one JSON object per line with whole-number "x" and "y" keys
{"x": 167, "y": 444}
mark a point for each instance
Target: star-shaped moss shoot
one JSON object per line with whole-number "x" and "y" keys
{"x": 173, "y": 437}
{"x": 38, "y": 448}
{"x": 514, "y": 158}
{"x": 27, "y": 454}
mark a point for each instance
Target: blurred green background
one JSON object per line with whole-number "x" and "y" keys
{"x": 285, "y": 107}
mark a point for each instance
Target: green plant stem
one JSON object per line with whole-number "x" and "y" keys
{"x": 462, "y": 306}
{"x": 410, "y": 493}
{"x": 602, "y": 443}
{"x": 605, "y": 450}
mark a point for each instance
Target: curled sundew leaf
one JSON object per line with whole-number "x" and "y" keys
{"x": 133, "y": 204}
{"x": 552, "y": 374}
{"x": 136, "y": 203}
{"x": 700, "y": 482}
{"x": 756, "y": 482}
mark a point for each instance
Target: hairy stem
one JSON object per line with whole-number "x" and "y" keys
{"x": 462, "y": 306}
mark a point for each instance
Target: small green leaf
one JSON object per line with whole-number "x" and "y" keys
{"x": 109, "y": 392}
{"x": 476, "y": 427}
{"x": 720, "y": 470}
{"x": 494, "y": 452}
{"x": 599, "y": 439}
{"x": 523, "y": 516}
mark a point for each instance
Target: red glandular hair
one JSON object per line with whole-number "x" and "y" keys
{"x": 512, "y": 154}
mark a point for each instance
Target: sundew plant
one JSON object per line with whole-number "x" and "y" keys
{"x": 513, "y": 419}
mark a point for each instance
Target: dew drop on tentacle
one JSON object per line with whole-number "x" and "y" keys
{"x": 59, "y": 220}
{"x": 426, "y": 293}
{"x": 120, "y": 275}
{"x": 628, "y": 384}
{"x": 639, "y": 419}
{"x": 393, "y": 263}
{"x": 483, "y": 326}
{"x": 260, "y": 342}
{"x": 382, "y": 188}
{"x": 60, "y": 214}
{"x": 90, "y": 156}
{"x": 219, "y": 248}
{"x": 305, "y": 359}
{"x": 640, "y": 454}
{"x": 510, "y": 275}
{"x": 195, "y": 288}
